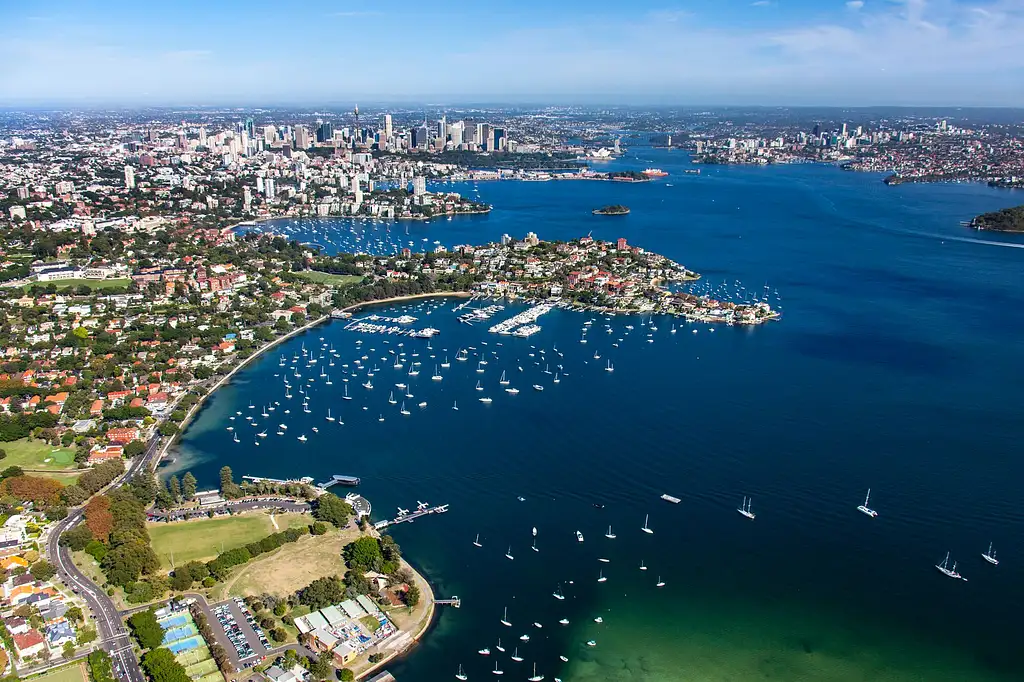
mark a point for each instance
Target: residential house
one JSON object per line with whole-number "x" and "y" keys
{"x": 29, "y": 643}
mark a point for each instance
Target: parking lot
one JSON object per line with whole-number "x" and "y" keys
{"x": 244, "y": 634}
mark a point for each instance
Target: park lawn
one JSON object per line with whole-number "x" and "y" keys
{"x": 204, "y": 539}
{"x": 94, "y": 284}
{"x": 328, "y": 278}
{"x": 37, "y": 454}
{"x": 70, "y": 673}
{"x": 290, "y": 567}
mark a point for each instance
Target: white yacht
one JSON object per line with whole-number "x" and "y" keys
{"x": 461, "y": 676}
{"x": 536, "y": 677}
{"x": 642, "y": 567}
{"x": 504, "y": 619}
{"x": 610, "y": 535}
{"x": 947, "y": 571}
{"x": 990, "y": 556}
{"x": 645, "y": 528}
{"x": 745, "y": 508}
{"x": 579, "y": 536}
{"x": 303, "y": 438}
{"x": 601, "y": 578}
{"x": 476, "y": 543}
{"x": 508, "y": 554}
{"x": 865, "y": 509}
{"x": 503, "y": 381}
{"x": 515, "y": 656}
{"x": 660, "y": 583}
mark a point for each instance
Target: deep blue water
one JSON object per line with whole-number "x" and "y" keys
{"x": 896, "y": 366}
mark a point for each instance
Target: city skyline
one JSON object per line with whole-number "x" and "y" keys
{"x": 772, "y": 52}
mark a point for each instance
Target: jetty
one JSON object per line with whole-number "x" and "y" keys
{"x": 454, "y": 601}
{"x": 337, "y": 479}
{"x": 279, "y": 481}
{"x": 405, "y": 516}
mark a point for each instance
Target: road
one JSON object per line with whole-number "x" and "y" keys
{"x": 113, "y": 636}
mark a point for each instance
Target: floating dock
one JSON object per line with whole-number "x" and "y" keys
{"x": 454, "y": 601}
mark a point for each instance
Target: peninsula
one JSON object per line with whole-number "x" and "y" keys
{"x": 613, "y": 209}
{"x": 1006, "y": 220}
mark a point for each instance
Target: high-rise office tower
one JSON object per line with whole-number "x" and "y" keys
{"x": 388, "y": 130}
{"x": 129, "y": 177}
{"x": 301, "y": 137}
{"x": 442, "y": 128}
{"x": 325, "y": 132}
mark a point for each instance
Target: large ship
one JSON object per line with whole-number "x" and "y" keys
{"x": 654, "y": 173}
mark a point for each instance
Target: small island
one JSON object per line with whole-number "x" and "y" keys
{"x": 1006, "y": 220}
{"x": 613, "y": 209}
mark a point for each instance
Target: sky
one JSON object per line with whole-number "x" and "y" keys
{"x": 686, "y": 52}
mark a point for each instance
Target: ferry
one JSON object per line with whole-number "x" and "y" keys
{"x": 654, "y": 172}
{"x": 670, "y": 498}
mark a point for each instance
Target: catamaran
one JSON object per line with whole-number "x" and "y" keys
{"x": 865, "y": 509}
{"x": 610, "y": 535}
{"x": 645, "y": 528}
{"x": 990, "y": 556}
{"x": 949, "y": 572}
{"x": 745, "y": 508}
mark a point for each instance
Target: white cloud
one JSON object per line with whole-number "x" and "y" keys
{"x": 855, "y": 4}
{"x": 761, "y": 3}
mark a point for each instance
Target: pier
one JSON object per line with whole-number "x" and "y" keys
{"x": 405, "y": 516}
{"x": 279, "y": 481}
{"x": 454, "y": 601}
{"x": 337, "y": 479}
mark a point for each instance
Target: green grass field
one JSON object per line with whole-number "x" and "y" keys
{"x": 71, "y": 673}
{"x": 204, "y": 539}
{"x": 329, "y": 279}
{"x": 94, "y": 284}
{"x": 35, "y": 454}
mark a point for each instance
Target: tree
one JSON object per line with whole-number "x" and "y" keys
{"x": 279, "y": 634}
{"x": 134, "y": 448}
{"x": 363, "y": 554}
{"x": 346, "y": 675}
{"x": 174, "y": 488}
{"x": 321, "y": 667}
{"x": 101, "y": 667}
{"x": 98, "y": 518}
{"x": 412, "y": 596}
{"x": 146, "y": 629}
{"x": 42, "y": 570}
{"x": 322, "y": 592}
{"x": 3, "y": 453}
{"x": 69, "y": 650}
{"x": 168, "y": 429}
{"x": 332, "y": 509}
{"x": 228, "y": 487}
{"x": 160, "y": 665}
{"x": 188, "y": 486}
{"x": 144, "y": 487}
{"x": 318, "y": 528}
{"x": 77, "y": 538}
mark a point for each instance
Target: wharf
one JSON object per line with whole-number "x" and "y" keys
{"x": 338, "y": 479}
{"x": 407, "y": 517}
{"x": 280, "y": 481}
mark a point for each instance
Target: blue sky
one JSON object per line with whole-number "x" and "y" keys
{"x": 813, "y": 52}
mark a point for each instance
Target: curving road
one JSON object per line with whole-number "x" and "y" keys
{"x": 113, "y": 636}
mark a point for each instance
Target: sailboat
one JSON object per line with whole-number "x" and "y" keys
{"x": 642, "y": 567}
{"x": 534, "y": 547}
{"x": 949, "y": 572}
{"x": 508, "y": 554}
{"x": 391, "y": 398}
{"x": 503, "y": 381}
{"x": 476, "y": 543}
{"x": 745, "y": 508}
{"x": 645, "y": 528}
{"x": 557, "y": 594}
{"x": 478, "y": 386}
{"x": 610, "y": 535}
{"x": 496, "y": 671}
{"x": 504, "y": 619}
{"x": 403, "y": 410}
{"x": 990, "y": 556}
{"x": 536, "y": 677}
{"x": 660, "y": 583}
{"x": 516, "y": 657}
{"x": 609, "y": 367}
{"x": 461, "y": 676}
{"x": 600, "y": 577}
{"x": 346, "y": 396}
{"x": 437, "y": 375}
{"x": 455, "y": 406}
{"x": 864, "y": 509}
{"x": 329, "y": 417}
{"x": 499, "y": 647}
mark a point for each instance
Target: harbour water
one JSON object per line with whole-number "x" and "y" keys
{"x": 895, "y": 367}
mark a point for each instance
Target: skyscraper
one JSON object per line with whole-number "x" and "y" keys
{"x": 250, "y": 127}
{"x": 269, "y": 134}
{"x": 419, "y": 137}
{"x": 499, "y": 136}
{"x": 442, "y": 128}
{"x": 202, "y": 136}
{"x": 324, "y": 132}
{"x": 129, "y": 177}
{"x": 301, "y": 137}
{"x": 388, "y": 131}
{"x": 269, "y": 189}
{"x": 419, "y": 185}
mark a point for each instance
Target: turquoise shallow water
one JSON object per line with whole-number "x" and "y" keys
{"x": 896, "y": 367}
